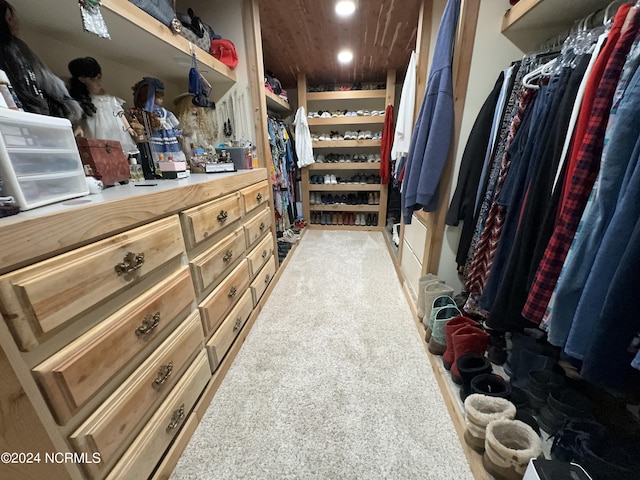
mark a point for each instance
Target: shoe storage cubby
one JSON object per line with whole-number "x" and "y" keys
{"x": 342, "y": 190}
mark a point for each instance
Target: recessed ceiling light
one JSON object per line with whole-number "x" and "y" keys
{"x": 345, "y": 56}
{"x": 345, "y": 7}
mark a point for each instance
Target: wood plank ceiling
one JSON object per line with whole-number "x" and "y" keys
{"x": 305, "y": 36}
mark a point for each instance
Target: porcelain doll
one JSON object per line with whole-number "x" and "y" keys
{"x": 198, "y": 131}
{"x": 104, "y": 116}
{"x": 161, "y": 125}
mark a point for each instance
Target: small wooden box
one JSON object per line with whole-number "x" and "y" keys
{"x": 106, "y": 159}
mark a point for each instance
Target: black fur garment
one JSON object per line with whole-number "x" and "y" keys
{"x": 36, "y": 86}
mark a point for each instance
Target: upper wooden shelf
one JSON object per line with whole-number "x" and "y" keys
{"x": 346, "y": 143}
{"x": 137, "y": 40}
{"x": 361, "y": 120}
{"x": 328, "y": 166}
{"x": 275, "y": 103}
{"x": 530, "y": 23}
{"x": 348, "y": 95}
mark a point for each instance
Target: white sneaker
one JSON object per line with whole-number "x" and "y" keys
{"x": 327, "y": 179}
{"x": 290, "y": 237}
{"x": 395, "y": 237}
{"x": 332, "y": 180}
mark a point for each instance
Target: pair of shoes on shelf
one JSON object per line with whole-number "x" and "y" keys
{"x": 373, "y": 198}
{"x": 330, "y": 179}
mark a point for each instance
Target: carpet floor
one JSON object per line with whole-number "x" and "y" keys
{"x": 333, "y": 381}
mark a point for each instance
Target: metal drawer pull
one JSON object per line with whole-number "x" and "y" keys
{"x": 232, "y": 292}
{"x": 164, "y": 372}
{"x": 267, "y": 278}
{"x": 227, "y": 256}
{"x": 264, "y": 254}
{"x": 176, "y": 418}
{"x": 259, "y": 197}
{"x": 130, "y": 263}
{"x": 262, "y": 225}
{"x": 148, "y": 325}
{"x": 237, "y": 325}
{"x": 222, "y": 216}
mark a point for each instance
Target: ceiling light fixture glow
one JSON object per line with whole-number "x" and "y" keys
{"x": 345, "y": 8}
{"x": 345, "y": 56}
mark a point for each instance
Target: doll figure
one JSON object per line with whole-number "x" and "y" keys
{"x": 197, "y": 129}
{"x": 160, "y": 124}
{"x": 103, "y": 113}
{"x": 37, "y": 88}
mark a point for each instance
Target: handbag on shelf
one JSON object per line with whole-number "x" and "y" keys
{"x": 161, "y": 10}
{"x": 225, "y": 51}
{"x": 195, "y": 30}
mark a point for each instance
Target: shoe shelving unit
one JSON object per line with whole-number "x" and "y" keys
{"x": 352, "y": 100}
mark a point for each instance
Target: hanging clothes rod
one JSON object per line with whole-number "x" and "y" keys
{"x": 597, "y": 18}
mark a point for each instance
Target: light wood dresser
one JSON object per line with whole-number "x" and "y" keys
{"x": 121, "y": 314}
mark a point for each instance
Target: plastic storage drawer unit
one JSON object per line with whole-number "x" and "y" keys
{"x": 39, "y": 160}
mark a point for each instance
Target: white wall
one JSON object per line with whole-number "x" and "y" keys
{"x": 226, "y": 19}
{"x": 492, "y": 53}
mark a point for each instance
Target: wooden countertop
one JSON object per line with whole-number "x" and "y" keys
{"x": 53, "y": 229}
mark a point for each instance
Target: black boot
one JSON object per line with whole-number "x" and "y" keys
{"x": 470, "y": 366}
{"x": 492, "y": 385}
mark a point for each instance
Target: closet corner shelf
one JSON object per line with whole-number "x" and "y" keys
{"x": 275, "y": 103}
{"x": 348, "y": 95}
{"x": 346, "y": 143}
{"x": 361, "y": 120}
{"x": 531, "y": 22}
{"x": 344, "y": 166}
{"x": 137, "y": 40}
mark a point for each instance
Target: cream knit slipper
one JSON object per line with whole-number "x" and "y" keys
{"x": 509, "y": 445}
{"x": 480, "y": 410}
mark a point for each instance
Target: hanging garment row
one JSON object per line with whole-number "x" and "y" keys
{"x": 551, "y": 208}
{"x": 282, "y": 173}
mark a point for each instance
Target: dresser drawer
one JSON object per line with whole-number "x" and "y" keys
{"x": 219, "y": 302}
{"x": 145, "y": 452}
{"x": 260, "y": 255}
{"x": 256, "y": 195}
{"x": 259, "y": 285}
{"x": 257, "y": 226}
{"x": 203, "y": 221}
{"x": 110, "y": 427}
{"x": 208, "y": 267}
{"x": 74, "y": 374}
{"x": 229, "y": 330}
{"x": 38, "y": 299}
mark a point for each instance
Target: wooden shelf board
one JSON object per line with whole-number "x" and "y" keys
{"x": 344, "y": 166}
{"x": 345, "y": 208}
{"x": 346, "y": 187}
{"x": 137, "y": 40}
{"x": 346, "y": 143}
{"x": 351, "y": 94}
{"x": 530, "y": 22}
{"x": 361, "y": 120}
{"x": 317, "y": 226}
{"x": 275, "y": 103}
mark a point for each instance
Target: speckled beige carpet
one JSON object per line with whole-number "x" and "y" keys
{"x": 332, "y": 382}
